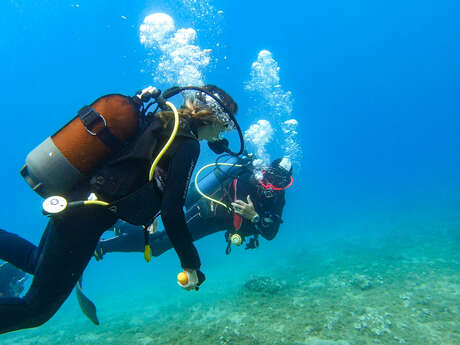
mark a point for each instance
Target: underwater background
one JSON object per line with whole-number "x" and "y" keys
{"x": 361, "y": 95}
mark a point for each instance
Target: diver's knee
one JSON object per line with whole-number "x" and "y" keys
{"x": 38, "y": 320}
{"x": 39, "y": 317}
{"x": 39, "y": 313}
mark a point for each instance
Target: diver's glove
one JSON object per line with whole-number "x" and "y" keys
{"x": 98, "y": 252}
{"x": 190, "y": 279}
{"x": 253, "y": 243}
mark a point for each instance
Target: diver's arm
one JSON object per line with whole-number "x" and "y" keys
{"x": 270, "y": 221}
{"x": 180, "y": 171}
{"x": 198, "y": 225}
{"x": 130, "y": 238}
{"x": 266, "y": 222}
{"x": 268, "y": 227}
{"x": 132, "y": 241}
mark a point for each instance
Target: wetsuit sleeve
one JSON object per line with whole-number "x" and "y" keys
{"x": 172, "y": 214}
{"x": 270, "y": 221}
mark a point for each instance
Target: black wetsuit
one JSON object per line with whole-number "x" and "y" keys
{"x": 69, "y": 240}
{"x": 204, "y": 220}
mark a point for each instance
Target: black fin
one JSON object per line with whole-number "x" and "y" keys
{"x": 87, "y": 307}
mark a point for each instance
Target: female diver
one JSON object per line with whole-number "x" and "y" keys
{"x": 70, "y": 238}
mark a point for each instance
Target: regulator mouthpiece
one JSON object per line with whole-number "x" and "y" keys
{"x": 219, "y": 146}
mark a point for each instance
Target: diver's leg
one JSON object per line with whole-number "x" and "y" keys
{"x": 159, "y": 243}
{"x": 18, "y": 251}
{"x": 130, "y": 240}
{"x": 122, "y": 227}
{"x": 67, "y": 249}
{"x": 199, "y": 222}
{"x": 198, "y": 225}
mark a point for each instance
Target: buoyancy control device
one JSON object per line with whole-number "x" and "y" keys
{"x": 100, "y": 130}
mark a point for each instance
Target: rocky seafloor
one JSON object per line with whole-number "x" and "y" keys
{"x": 393, "y": 289}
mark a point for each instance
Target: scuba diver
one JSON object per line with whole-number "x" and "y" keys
{"x": 11, "y": 280}
{"x": 242, "y": 203}
{"x": 113, "y": 161}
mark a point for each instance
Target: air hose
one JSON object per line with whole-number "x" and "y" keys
{"x": 169, "y": 142}
{"x": 206, "y": 196}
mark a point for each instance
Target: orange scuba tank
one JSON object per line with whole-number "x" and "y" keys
{"x": 72, "y": 153}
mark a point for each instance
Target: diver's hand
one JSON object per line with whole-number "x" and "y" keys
{"x": 190, "y": 279}
{"x": 246, "y": 210}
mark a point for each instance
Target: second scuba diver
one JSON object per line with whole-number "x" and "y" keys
{"x": 257, "y": 204}
{"x": 105, "y": 162}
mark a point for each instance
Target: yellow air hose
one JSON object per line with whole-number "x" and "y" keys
{"x": 96, "y": 202}
{"x": 157, "y": 159}
{"x": 206, "y": 196}
{"x": 169, "y": 142}
{"x": 236, "y": 239}
{"x": 147, "y": 249}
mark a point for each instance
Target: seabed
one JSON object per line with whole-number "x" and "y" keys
{"x": 388, "y": 289}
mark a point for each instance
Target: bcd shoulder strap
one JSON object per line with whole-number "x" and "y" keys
{"x": 128, "y": 171}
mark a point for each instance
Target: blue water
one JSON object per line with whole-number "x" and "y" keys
{"x": 374, "y": 86}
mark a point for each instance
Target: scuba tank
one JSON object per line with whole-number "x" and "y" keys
{"x": 98, "y": 131}
{"x": 89, "y": 139}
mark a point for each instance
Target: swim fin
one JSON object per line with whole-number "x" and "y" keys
{"x": 87, "y": 307}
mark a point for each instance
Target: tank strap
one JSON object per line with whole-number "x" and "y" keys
{"x": 237, "y": 219}
{"x": 89, "y": 117}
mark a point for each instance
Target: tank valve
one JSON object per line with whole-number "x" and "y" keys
{"x": 147, "y": 94}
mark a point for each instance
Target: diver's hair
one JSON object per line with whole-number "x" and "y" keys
{"x": 190, "y": 112}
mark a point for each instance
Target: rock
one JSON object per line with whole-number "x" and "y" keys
{"x": 361, "y": 282}
{"x": 264, "y": 285}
